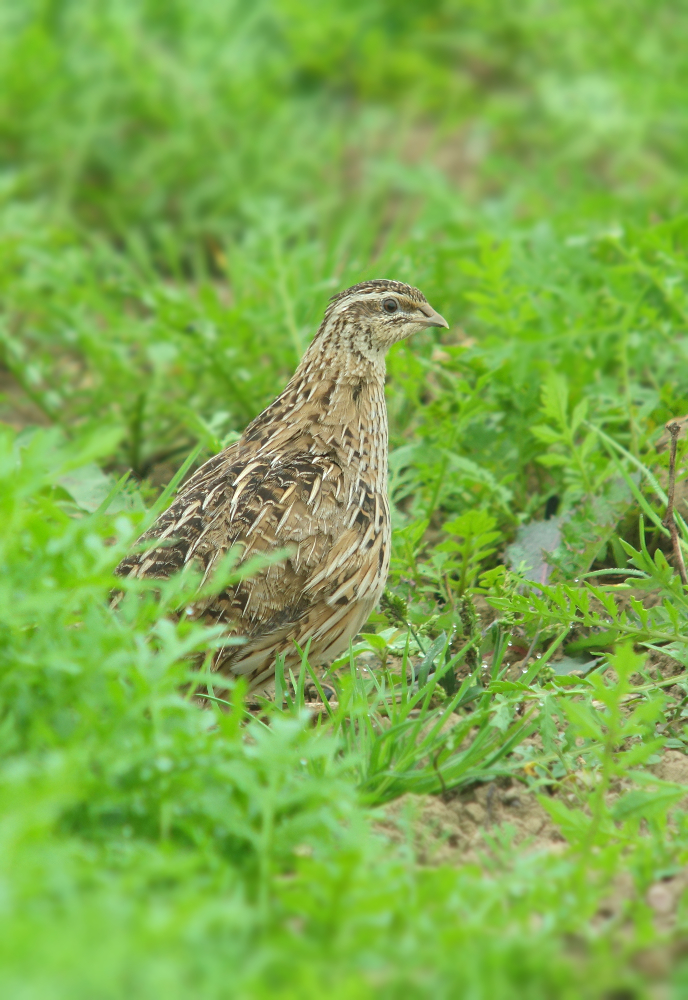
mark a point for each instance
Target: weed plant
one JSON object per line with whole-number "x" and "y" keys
{"x": 182, "y": 186}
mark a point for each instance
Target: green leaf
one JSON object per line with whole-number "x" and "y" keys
{"x": 642, "y": 803}
{"x": 584, "y": 720}
{"x": 555, "y": 398}
{"x": 546, "y": 434}
{"x": 573, "y": 823}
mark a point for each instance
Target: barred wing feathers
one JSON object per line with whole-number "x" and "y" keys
{"x": 333, "y": 525}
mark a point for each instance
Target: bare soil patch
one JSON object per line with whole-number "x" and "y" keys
{"x": 458, "y": 828}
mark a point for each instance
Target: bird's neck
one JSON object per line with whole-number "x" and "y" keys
{"x": 334, "y": 405}
{"x": 342, "y": 354}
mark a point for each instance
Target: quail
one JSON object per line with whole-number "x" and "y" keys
{"x": 308, "y": 476}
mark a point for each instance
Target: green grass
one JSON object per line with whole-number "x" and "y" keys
{"x": 182, "y": 186}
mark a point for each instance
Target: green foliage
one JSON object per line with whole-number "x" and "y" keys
{"x": 182, "y": 186}
{"x": 466, "y": 554}
{"x": 613, "y": 741}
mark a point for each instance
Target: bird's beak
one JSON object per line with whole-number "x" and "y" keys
{"x": 432, "y": 318}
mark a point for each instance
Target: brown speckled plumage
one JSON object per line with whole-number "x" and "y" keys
{"x": 309, "y": 475}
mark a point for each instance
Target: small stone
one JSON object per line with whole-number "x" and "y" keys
{"x": 476, "y": 812}
{"x": 660, "y": 898}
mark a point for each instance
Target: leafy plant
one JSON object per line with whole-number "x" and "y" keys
{"x": 183, "y": 186}
{"x": 475, "y": 543}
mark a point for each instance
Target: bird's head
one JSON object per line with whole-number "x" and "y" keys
{"x": 369, "y": 317}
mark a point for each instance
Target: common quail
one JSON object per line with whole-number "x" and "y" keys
{"x": 309, "y": 476}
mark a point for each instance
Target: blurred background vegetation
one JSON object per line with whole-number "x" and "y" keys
{"x": 182, "y": 187}
{"x": 186, "y": 184}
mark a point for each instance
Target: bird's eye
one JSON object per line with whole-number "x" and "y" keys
{"x": 390, "y": 305}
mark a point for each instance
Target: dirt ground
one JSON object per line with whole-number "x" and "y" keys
{"x": 457, "y": 828}
{"x": 478, "y": 825}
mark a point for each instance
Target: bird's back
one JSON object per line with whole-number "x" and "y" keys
{"x": 308, "y": 476}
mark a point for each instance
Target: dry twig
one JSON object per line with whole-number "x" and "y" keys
{"x": 674, "y": 429}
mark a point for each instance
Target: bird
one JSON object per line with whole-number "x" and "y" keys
{"x": 308, "y": 477}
